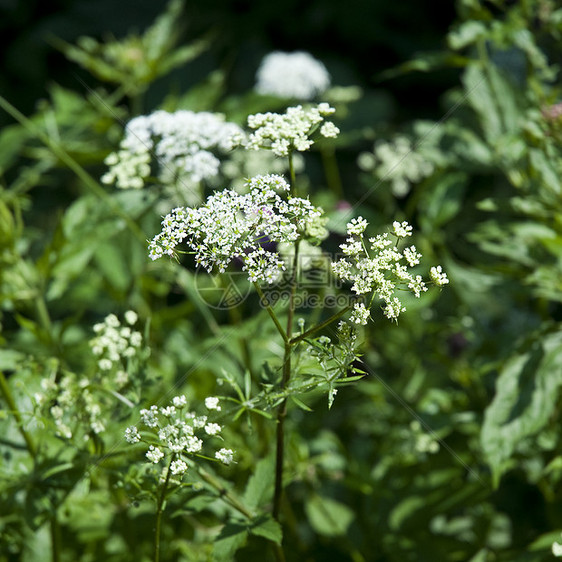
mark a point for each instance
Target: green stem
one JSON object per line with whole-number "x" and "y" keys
{"x": 230, "y": 498}
{"x": 160, "y": 511}
{"x": 271, "y": 312}
{"x": 282, "y": 411}
{"x": 55, "y": 538}
{"x": 64, "y": 157}
{"x": 327, "y": 322}
{"x": 292, "y": 175}
{"x": 331, "y": 171}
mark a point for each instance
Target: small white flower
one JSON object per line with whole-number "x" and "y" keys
{"x": 225, "y": 455}
{"x": 438, "y": 276}
{"x": 150, "y": 417}
{"x": 212, "y": 403}
{"x": 179, "y": 401}
{"x": 357, "y": 226}
{"x": 212, "y": 428}
{"x": 168, "y": 411}
{"x": 105, "y": 364}
{"x": 178, "y": 467}
{"x": 360, "y": 314}
{"x": 132, "y": 435}
{"x": 329, "y": 130}
{"x": 402, "y": 230}
{"x": 131, "y": 317}
{"x": 154, "y": 454}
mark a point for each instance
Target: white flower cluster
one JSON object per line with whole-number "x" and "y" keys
{"x": 398, "y": 163}
{"x": 73, "y": 406}
{"x": 181, "y": 142}
{"x": 115, "y": 344}
{"x": 230, "y": 225}
{"x": 177, "y": 433}
{"x": 295, "y": 75}
{"x": 290, "y": 131}
{"x": 380, "y": 269}
{"x": 79, "y": 406}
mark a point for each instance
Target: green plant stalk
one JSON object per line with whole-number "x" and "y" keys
{"x": 282, "y": 411}
{"x": 292, "y": 175}
{"x": 314, "y": 329}
{"x": 160, "y": 511}
{"x": 227, "y": 496}
{"x": 64, "y": 157}
{"x": 271, "y": 313}
{"x": 331, "y": 171}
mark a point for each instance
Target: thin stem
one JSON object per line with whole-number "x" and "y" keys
{"x": 229, "y": 497}
{"x": 271, "y": 312}
{"x": 160, "y": 511}
{"x": 282, "y": 411}
{"x": 292, "y": 175}
{"x": 327, "y": 322}
{"x": 280, "y": 435}
{"x": 55, "y": 538}
{"x": 331, "y": 170}
{"x": 5, "y": 389}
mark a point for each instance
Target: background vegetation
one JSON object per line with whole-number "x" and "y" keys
{"x": 449, "y": 448}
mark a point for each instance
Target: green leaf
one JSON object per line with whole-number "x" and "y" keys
{"x": 405, "y": 509}
{"x": 260, "y": 484}
{"x": 442, "y": 199}
{"x": 327, "y": 516}
{"x": 527, "y": 391}
{"x": 466, "y": 34}
{"x": 301, "y": 404}
{"x": 231, "y": 538}
{"x": 267, "y": 528}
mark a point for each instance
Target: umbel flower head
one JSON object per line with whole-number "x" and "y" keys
{"x": 179, "y": 434}
{"x": 182, "y": 144}
{"x": 230, "y": 225}
{"x": 295, "y": 75}
{"x": 292, "y": 130}
{"x": 380, "y": 269}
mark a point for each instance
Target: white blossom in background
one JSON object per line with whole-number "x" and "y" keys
{"x": 114, "y": 345}
{"x": 177, "y": 434}
{"x": 78, "y": 405}
{"x": 398, "y": 163}
{"x": 295, "y": 75}
{"x": 180, "y": 146}
{"x": 377, "y": 268}
{"x": 283, "y": 133}
{"x": 557, "y": 549}
{"x": 230, "y": 225}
